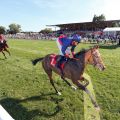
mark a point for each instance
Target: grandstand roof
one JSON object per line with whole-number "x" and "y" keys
{"x": 100, "y": 25}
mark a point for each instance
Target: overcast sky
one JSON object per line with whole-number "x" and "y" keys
{"x": 34, "y": 15}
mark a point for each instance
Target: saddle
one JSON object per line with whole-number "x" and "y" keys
{"x": 55, "y": 59}
{"x": 3, "y": 45}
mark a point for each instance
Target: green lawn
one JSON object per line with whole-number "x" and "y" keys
{"x": 26, "y": 93}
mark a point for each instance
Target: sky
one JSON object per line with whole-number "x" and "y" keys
{"x": 34, "y": 15}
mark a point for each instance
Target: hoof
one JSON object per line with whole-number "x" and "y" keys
{"x": 97, "y": 108}
{"x": 74, "y": 88}
{"x": 59, "y": 93}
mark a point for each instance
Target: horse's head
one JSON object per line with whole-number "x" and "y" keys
{"x": 95, "y": 58}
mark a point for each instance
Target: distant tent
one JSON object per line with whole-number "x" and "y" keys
{"x": 112, "y": 30}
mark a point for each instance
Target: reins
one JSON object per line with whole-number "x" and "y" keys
{"x": 75, "y": 58}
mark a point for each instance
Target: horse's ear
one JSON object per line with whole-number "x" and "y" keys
{"x": 96, "y": 46}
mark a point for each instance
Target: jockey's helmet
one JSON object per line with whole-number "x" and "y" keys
{"x": 59, "y": 33}
{"x": 76, "y": 38}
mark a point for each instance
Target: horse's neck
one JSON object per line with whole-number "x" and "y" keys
{"x": 84, "y": 58}
{"x": 87, "y": 56}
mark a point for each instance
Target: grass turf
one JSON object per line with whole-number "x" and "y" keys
{"x": 25, "y": 91}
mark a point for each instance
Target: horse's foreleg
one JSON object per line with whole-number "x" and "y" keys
{"x": 86, "y": 82}
{"x": 49, "y": 73}
{"x": 69, "y": 83}
{"x": 92, "y": 99}
{"x": 87, "y": 91}
{"x": 7, "y": 51}
{"x": 4, "y": 55}
{"x": 79, "y": 85}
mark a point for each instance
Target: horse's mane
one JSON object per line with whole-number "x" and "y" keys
{"x": 82, "y": 51}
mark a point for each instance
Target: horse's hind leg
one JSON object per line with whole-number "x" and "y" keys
{"x": 69, "y": 83}
{"x": 7, "y": 51}
{"x": 4, "y": 55}
{"x": 49, "y": 73}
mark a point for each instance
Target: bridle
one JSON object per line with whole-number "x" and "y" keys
{"x": 95, "y": 58}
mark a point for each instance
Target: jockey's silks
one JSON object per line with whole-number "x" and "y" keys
{"x": 65, "y": 42}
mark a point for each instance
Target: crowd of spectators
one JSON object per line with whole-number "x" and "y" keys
{"x": 86, "y": 36}
{"x": 33, "y": 36}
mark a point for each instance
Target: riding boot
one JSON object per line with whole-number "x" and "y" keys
{"x": 59, "y": 65}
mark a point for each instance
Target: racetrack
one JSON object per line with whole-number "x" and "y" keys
{"x": 26, "y": 93}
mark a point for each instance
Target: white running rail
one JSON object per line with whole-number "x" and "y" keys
{"x": 4, "y": 115}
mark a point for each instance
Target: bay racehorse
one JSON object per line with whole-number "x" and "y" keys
{"x": 74, "y": 69}
{"x": 4, "y": 47}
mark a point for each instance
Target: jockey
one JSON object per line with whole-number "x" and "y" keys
{"x": 2, "y": 38}
{"x": 3, "y": 41}
{"x": 64, "y": 43}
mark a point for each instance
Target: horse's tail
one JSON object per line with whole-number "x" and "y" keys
{"x": 34, "y": 62}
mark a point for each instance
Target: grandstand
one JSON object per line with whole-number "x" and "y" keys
{"x": 91, "y": 31}
{"x": 87, "y": 26}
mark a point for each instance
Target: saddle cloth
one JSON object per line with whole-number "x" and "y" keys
{"x": 53, "y": 61}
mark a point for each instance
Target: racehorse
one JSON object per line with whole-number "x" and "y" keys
{"x": 74, "y": 69}
{"x": 3, "y": 47}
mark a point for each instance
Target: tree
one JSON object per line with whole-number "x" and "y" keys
{"x": 46, "y": 30}
{"x": 99, "y": 18}
{"x": 95, "y": 18}
{"x": 102, "y": 17}
{"x": 14, "y": 28}
{"x": 2, "y": 30}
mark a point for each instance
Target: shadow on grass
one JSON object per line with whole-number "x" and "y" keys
{"x": 15, "y": 108}
{"x": 2, "y": 59}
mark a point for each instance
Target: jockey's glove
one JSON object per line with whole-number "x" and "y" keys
{"x": 66, "y": 55}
